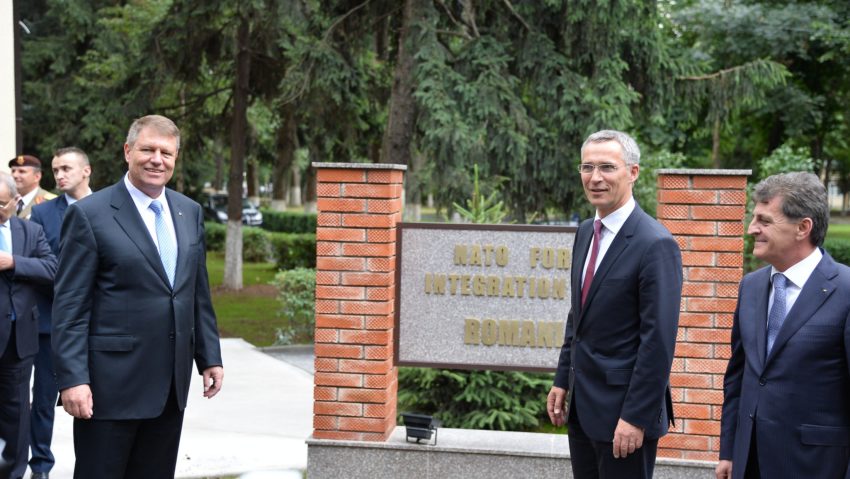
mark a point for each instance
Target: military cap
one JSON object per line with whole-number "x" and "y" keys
{"x": 25, "y": 160}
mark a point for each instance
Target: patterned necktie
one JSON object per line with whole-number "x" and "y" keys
{"x": 777, "y": 311}
{"x": 167, "y": 245}
{"x": 591, "y": 265}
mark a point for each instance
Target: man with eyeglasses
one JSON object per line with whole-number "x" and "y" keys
{"x": 26, "y": 263}
{"x": 612, "y": 382}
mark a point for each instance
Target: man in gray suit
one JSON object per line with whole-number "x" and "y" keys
{"x": 131, "y": 311}
{"x": 786, "y": 395}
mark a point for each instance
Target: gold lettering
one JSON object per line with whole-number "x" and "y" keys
{"x": 479, "y": 285}
{"x": 472, "y": 331}
{"x": 509, "y": 332}
{"x": 488, "y": 254}
{"x": 534, "y": 256}
{"x": 546, "y": 333}
{"x": 542, "y": 288}
{"x": 460, "y": 254}
{"x": 508, "y": 287}
{"x": 475, "y": 256}
{"x": 453, "y": 279}
{"x": 521, "y": 280}
{"x": 548, "y": 258}
{"x": 532, "y": 287}
{"x": 527, "y": 335}
{"x": 559, "y": 288}
{"x": 464, "y": 284}
{"x": 429, "y": 280}
{"x": 564, "y": 258}
{"x": 493, "y": 285}
{"x": 502, "y": 255}
{"x": 560, "y": 330}
{"x": 489, "y": 332}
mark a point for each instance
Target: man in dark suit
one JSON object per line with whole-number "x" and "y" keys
{"x": 71, "y": 170}
{"x": 131, "y": 311}
{"x": 786, "y": 405}
{"x": 25, "y": 263}
{"x": 621, "y": 329}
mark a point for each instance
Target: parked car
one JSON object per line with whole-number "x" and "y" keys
{"x": 215, "y": 209}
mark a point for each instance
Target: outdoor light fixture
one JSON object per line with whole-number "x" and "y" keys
{"x": 420, "y": 426}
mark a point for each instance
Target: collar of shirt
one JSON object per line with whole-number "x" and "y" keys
{"x": 617, "y": 219}
{"x": 27, "y": 198}
{"x": 800, "y": 272}
{"x": 142, "y": 202}
{"x": 71, "y": 200}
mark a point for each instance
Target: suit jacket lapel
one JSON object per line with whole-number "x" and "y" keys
{"x": 582, "y": 246}
{"x": 817, "y": 289}
{"x": 128, "y": 218}
{"x": 180, "y": 229}
{"x": 760, "y": 324}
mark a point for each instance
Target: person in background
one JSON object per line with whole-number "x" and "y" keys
{"x": 72, "y": 171}
{"x": 26, "y": 170}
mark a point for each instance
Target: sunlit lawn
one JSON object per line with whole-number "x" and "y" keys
{"x": 250, "y": 314}
{"x": 838, "y": 231}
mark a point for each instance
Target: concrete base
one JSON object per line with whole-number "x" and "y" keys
{"x": 463, "y": 453}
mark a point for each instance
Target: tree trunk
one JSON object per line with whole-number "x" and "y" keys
{"x": 252, "y": 178}
{"x": 238, "y": 130}
{"x": 401, "y": 120}
{"x": 715, "y": 144}
{"x": 218, "y": 181}
{"x": 287, "y": 143}
{"x": 310, "y": 193}
{"x": 295, "y": 186}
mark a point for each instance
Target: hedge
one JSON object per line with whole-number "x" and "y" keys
{"x": 288, "y": 250}
{"x": 288, "y": 222}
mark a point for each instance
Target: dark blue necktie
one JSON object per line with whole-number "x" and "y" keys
{"x": 777, "y": 312}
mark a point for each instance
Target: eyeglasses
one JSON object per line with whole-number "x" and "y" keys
{"x": 604, "y": 168}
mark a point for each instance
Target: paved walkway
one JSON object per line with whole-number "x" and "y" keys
{"x": 254, "y": 428}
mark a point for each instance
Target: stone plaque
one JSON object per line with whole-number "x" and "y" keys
{"x": 482, "y": 296}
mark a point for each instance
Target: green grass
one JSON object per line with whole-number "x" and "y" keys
{"x": 250, "y": 314}
{"x": 838, "y": 231}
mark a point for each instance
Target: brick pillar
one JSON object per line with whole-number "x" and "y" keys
{"x": 704, "y": 209}
{"x": 356, "y": 382}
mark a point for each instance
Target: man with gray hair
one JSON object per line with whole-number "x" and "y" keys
{"x": 614, "y": 368}
{"x": 26, "y": 263}
{"x": 786, "y": 405}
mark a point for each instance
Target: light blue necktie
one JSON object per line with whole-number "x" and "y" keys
{"x": 167, "y": 245}
{"x": 777, "y": 312}
{"x": 5, "y": 248}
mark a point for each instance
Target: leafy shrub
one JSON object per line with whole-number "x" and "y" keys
{"x": 256, "y": 245}
{"x": 839, "y": 249}
{"x": 215, "y": 236}
{"x": 297, "y": 295}
{"x": 497, "y": 400}
{"x": 289, "y": 222}
{"x": 294, "y": 250}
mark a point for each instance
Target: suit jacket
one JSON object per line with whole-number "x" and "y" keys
{"x": 797, "y": 398}
{"x": 618, "y": 348}
{"x": 118, "y": 325}
{"x": 49, "y": 215}
{"x": 34, "y": 265}
{"x": 41, "y": 197}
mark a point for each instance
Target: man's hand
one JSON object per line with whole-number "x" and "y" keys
{"x": 555, "y": 405}
{"x": 7, "y": 261}
{"x": 627, "y": 438}
{"x": 213, "y": 378}
{"x": 77, "y": 401}
{"x": 723, "y": 469}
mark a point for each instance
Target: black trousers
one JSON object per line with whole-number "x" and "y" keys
{"x": 44, "y": 394}
{"x": 14, "y": 408}
{"x": 595, "y": 459}
{"x": 129, "y": 449}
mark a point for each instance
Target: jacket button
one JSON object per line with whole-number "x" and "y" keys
{"x": 762, "y": 382}
{"x": 752, "y": 417}
{"x": 578, "y": 339}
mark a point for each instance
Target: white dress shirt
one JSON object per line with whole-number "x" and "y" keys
{"x": 796, "y": 277}
{"x": 611, "y": 225}
{"x": 142, "y": 202}
{"x": 6, "y": 231}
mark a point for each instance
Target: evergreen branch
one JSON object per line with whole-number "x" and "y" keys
{"x": 341, "y": 19}
{"x": 462, "y": 28}
{"x": 195, "y": 99}
{"x": 719, "y": 73}
{"x": 515, "y": 14}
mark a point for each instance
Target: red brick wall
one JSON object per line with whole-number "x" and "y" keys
{"x": 705, "y": 212}
{"x": 356, "y": 382}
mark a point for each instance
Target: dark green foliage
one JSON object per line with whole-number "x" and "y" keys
{"x": 256, "y": 245}
{"x": 839, "y": 249}
{"x": 215, "y": 235}
{"x": 289, "y": 222}
{"x": 297, "y": 296}
{"x": 505, "y": 401}
{"x": 294, "y": 250}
